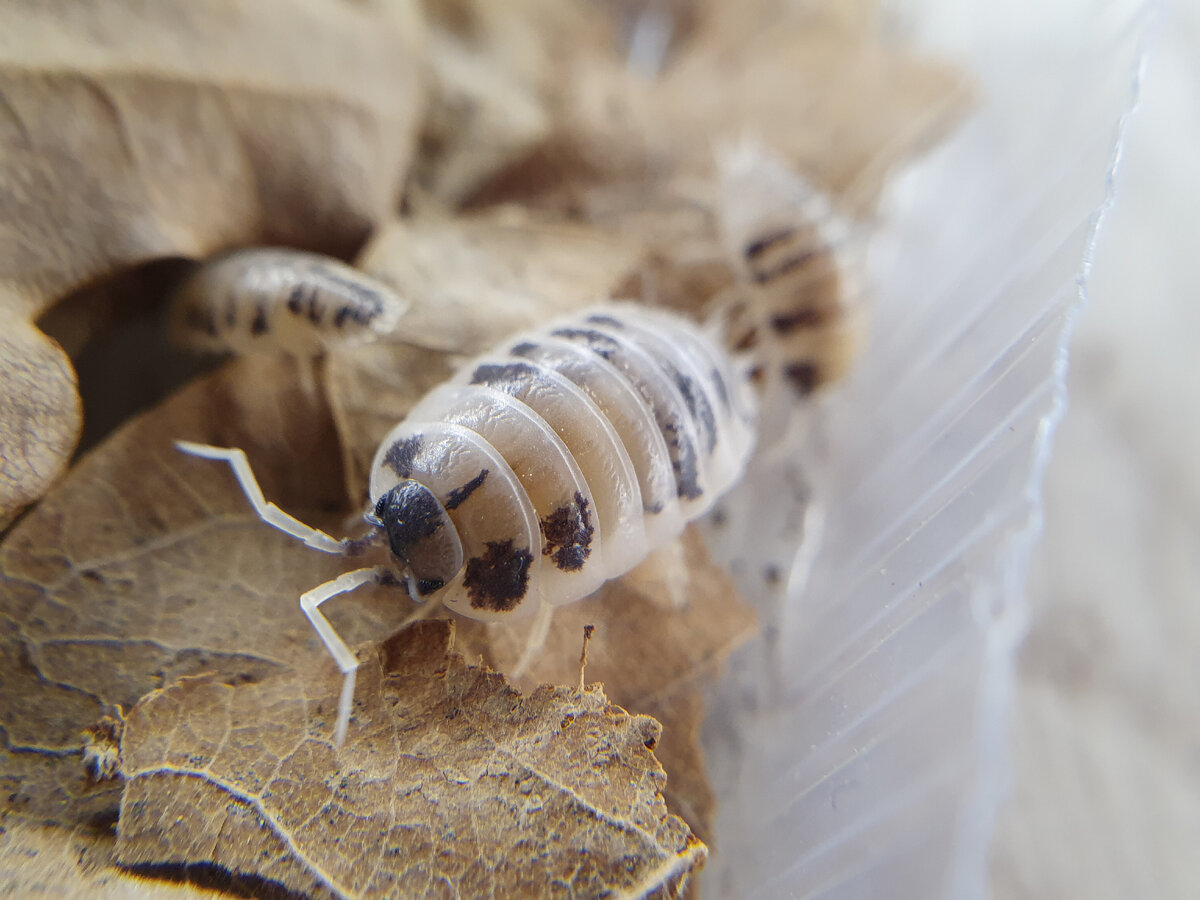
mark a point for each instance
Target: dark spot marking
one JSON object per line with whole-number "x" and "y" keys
{"x": 601, "y": 319}
{"x": 758, "y": 247}
{"x": 295, "y": 299}
{"x": 316, "y": 309}
{"x": 803, "y": 376}
{"x": 457, "y": 496}
{"x": 390, "y": 579}
{"x": 687, "y": 473}
{"x": 259, "y": 325}
{"x": 652, "y": 509}
{"x": 698, "y": 406}
{"x": 525, "y": 348}
{"x": 401, "y": 454}
{"x": 499, "y": 579}
{"x": 772, "y": 575}
{"x": 683, "y": 456}
{"x": 596, "y": 341}
{"x": 719, "y": 517}
{"x": 568, "y": 534}
{"x": 718, "y": 384}
{"x": 429, "y": 585}
{"x": 756, "y": 375}
{"x": 786, "y": 323}
{"x": 363, "y": 303}
{"x": 788, "y": 264}
{"x": 747, "y": 341}
{"x": 512, "y": 378}
{"x": 203, "y": 320}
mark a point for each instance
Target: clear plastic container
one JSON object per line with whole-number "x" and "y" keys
{"x": 859, "y": 748}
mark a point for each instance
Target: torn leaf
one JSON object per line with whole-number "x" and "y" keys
{"x": 144, "y": 565}
{"x": 453, "y": 783}
{"x": 131, "y": 132}
{"x": 648, "y": 653}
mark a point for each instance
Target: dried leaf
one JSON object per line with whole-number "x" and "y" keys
{"x": 820, "y": 85}
{"x": 130, "y": 132}
{"x": 473, "y": 281}
{"x": 647, "y": 653}
{"x": 689, "y": 792}
{"x": 143, "y": 565}
{"x": 136, "y": 131}
{"x": 454, "y": 785}
{"x": 40, "y": 413}
{"x": 839, "y": 104}
{"x": 499, "y": 76}
{"x": 39, "y": 861}
{"x": 642, "y": 647}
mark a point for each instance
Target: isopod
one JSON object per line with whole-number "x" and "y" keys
{"x": 795, "y": 305}
{"x": 541, "y": 470}
{"x": 560, "y": 459}
{"x": 285, "y": 300}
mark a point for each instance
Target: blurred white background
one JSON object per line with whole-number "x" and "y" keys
{"x": 1106, "y": 724}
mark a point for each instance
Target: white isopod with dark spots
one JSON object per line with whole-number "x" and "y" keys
{"x": 543, "y": 469}
{"x": 286, "y": 300}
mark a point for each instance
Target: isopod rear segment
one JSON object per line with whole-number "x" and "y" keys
{"x": 281, "y": 300}
{"x": 543, "y": 469}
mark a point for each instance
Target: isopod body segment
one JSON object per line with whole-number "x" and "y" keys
{"x": 540, "y": 471}
{"x": 560, "y": 459}
{"x": 280, "y": 300}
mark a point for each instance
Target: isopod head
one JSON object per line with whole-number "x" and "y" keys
{"x": 421, "y": 536}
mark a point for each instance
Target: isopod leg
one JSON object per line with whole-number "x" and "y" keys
{"x": 267, "y": 511}
{"x": 535, "y": 640}
{"x": 310, "y": 602}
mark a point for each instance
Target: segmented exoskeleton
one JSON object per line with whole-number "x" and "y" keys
{"x": 543, "y": 469}
{"x": 563, "y": 457}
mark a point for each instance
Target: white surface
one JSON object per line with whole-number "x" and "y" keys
{"x": 869, "y": 747}
{"x": 1106, "y": 730}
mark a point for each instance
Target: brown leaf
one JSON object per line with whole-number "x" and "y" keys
{"x": 689, "y": 791}
{"x": 137, "y": 131}
{"x": 39, "y": 861}
{"x": 647, "y": 653}
{"x": 500, "y": 78}
{"x": 838, "y": 103}
{"x": 817, "y": 84}
{"x": 131, "y": 131}
{"x": 454, "y": 784}
{"x": 40, "y": 413}
{"x": 143, "y": 565}
{"x": 472, "y": 281}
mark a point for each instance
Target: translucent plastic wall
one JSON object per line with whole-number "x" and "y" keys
{"x": 860, "y": 746}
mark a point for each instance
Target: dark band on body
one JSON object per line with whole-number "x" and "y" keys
{"x": 499, "y": 579}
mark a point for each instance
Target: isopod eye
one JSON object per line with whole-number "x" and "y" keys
{"x": 421, "y": 535}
